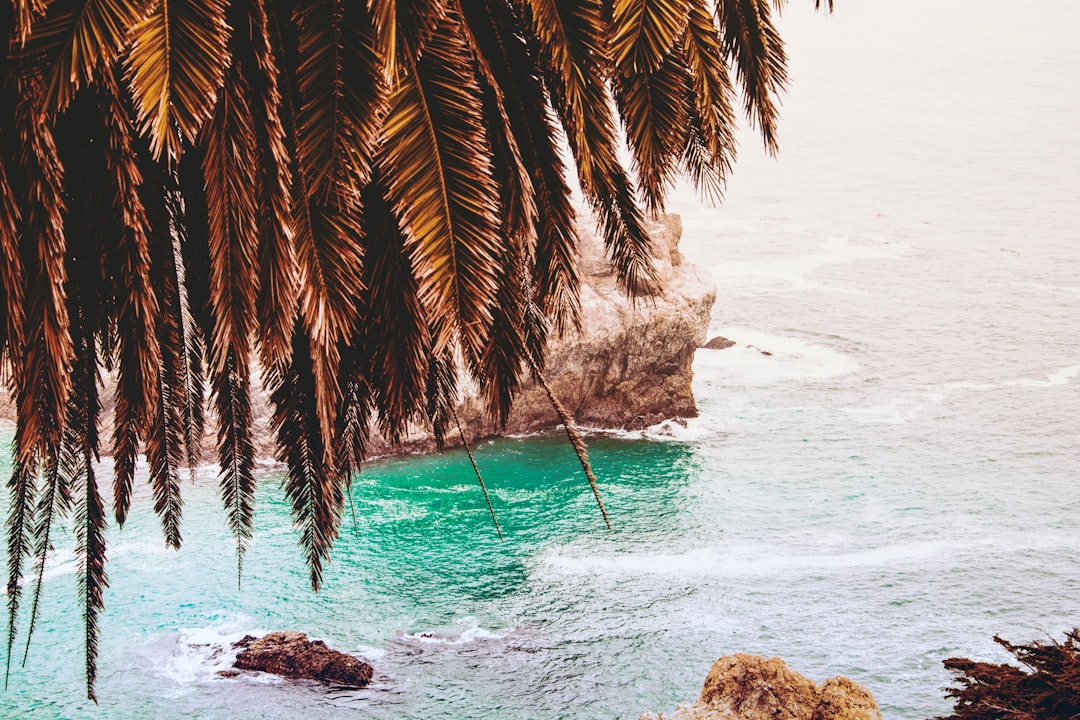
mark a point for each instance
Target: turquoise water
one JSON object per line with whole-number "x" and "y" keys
{"x": 893, "y": 485}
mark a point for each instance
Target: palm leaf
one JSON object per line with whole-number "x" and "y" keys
{"x": 643, "y": 33}
{"x": 710, "y": 144}
{"x": 574, "y": 55}
{"x": 175, "y": 67}
{"x": 436, "y": 161}
{"x": 313, "y": 486}
{"x": 128, "y": 260}
{"x": 396, "y": 342}
{"x": 11, "y": 271}
{"x": 498, "y": 34}
{"x": 236, "y": 453}
{"x": 22, "y": 489}
{"x": 574, "y": 435}
{"x": 757, "y": 50}
{"x": 655, "y": 111}
{"x": 74, "y": 39}
{"x": 441, "y": 394}
{"x": 278, "y": 271}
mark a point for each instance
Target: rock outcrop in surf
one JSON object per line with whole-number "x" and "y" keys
{"x": 290, "y": 654}
{"x": 749, "y": 687}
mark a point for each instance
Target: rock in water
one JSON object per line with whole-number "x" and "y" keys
{"x": 718, "y": 343}
{"x": 748, "y": 687}
{"x": 291, "y": 654}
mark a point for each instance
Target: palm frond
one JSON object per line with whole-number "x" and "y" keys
{"x": 710, "y": 143}
{"x": 574, "y": 54}
{"x": 757, "y": 51}
{"x": 653, "y": 104}
{"x": 644, "y": 32}
{"x": 74, "y": 39}
{"x": 89, "y": 550}
{"x": 479, "y": 477}
{"x": 236, "y": 453}
{"x": 11, "y": 271}
{"x": 128, "y": 260}
{"x": 22, "y": 488}
{"x": 26, "y": 11}
{"x": 498, "y": 34}
{"x": 574, "y": 435}
{"x": 436, "y": 161}
{"x": 396, "y": 342}
{"x": 175, "y": 66}
{"x": 278, "y": 270}
{"x": 441, "y": 394}
{"x": 352, "y": 430}
{"x": 314, "y": 486}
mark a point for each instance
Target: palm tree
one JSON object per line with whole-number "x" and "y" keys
{"x": 366, "y": 200}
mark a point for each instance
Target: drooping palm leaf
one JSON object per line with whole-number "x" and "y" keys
{"x": 395, "y": 338}
{"x": 175, "y": 67}
{"x": 575, "y": 56}
{"x": 710, "y": 142}
{"x": 437, "y": 166}
{"x": 754, "y": 44}
{"x": 22, "y": 489}
{"x": 498, "y": 33}
{"x": 476, "y": 471}
{"x": 236, "y": 453}
{"x": 278, "y": 270}
{"x": 314, "y": 487}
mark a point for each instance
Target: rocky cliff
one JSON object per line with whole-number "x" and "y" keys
{"x": 629, "y": 366}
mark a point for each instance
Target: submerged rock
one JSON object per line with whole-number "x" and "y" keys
{"x": 290, "y": 654}
{"x": 718, "y": 343}
{"x": 749, "y": 687}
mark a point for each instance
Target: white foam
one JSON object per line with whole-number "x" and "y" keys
{"x": 471, "y": 632}
{"x": 196, "y": 655}
{"x": 789, "y": 358}
{"x": 741, "y": 562}
{"x": 1053, "y": 379}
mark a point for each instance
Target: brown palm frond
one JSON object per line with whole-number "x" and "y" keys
{"x": 164, "y": 441}
{"x": 128, "y": 260}
{"x": 574, "y": 54}
{"x": 502, "y": 361}
{"x": 578, "y": 442}
{"x": 403, "y": 27}
{"x": 72, "y": 40}
{"x": 655, "y": 112}
{"x": 22, "y": 490}
{"x": 498, "y": 34}
{"x": 26, "y": 11}
{"x": 643, "y": 33}
{"x": 395, "y": 330}
{"x": 236, "y": 453}
{"x": 47, "y": 351}
{"x": 710, "y": 144}
{"x": 476, "y": 471}
{"x": 441, "y": 394}
{"x": 11, "y": 272}
{"x": 314, "y": 486}
{"x": 352, "y": 430}
{"x": 175, "y": 66}
{"x": 437, "y": 164}
{"x": 757, "y": 51}
{"x": 278, "y": 270}
{"x": 229, "y": 164}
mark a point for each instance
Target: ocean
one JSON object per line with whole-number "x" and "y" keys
{"x": 894, "y": 483}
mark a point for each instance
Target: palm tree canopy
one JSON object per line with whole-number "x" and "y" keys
{"x": 368, "y": 201}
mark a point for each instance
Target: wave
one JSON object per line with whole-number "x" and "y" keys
{"x": 721, "y": 561}
{"x": 468, "y": 632}
{"x": 1053, "y": 379}
{"x": 762, "y": 358}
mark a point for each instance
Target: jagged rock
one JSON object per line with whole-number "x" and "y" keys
{"x": 748, "y": 687}
{"x": 718, "y": 343}
{"x": 290, "y": 654}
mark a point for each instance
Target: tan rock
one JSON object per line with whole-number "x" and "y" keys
{"x": 749, "y": 687}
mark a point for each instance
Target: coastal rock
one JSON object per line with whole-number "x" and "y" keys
{"x": 718, "y": 343}
{"x": 290, "y": 654}
{"x": 749, "y": 687}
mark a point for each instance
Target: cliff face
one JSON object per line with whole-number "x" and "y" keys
{"x": 630, "y": 366}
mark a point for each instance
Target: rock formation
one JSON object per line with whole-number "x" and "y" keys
{"x": 291, "y": 654}
{"x": 748, "y": 687}
{"x": 718, "y": 343}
